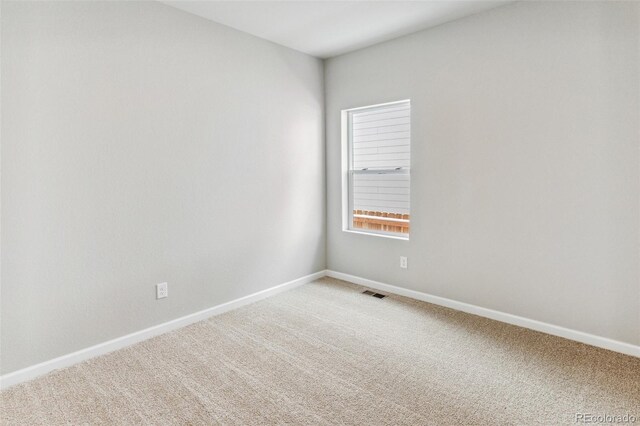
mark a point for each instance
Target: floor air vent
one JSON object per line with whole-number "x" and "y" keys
{"x": 371, "y": 293}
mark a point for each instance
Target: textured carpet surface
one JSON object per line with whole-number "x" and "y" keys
{"x": 326, "y": 354}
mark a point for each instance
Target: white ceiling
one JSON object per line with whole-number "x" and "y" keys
{"x": 330, "y": 28}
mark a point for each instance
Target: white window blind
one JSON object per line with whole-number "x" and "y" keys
{"x": 379, "y": 166}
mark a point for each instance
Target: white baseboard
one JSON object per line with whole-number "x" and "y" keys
{"x": 68, "y": 360}
{"x": 578, "y": 336}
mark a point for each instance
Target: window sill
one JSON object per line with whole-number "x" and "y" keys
{"x": 375, "y": 234}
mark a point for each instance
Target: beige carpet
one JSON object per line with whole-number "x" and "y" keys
{"x": 326, "y": 354}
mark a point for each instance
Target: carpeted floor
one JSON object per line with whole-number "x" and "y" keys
{"x": 326, "y": 354}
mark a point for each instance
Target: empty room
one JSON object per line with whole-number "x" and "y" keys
{"x": 319, "y": 212}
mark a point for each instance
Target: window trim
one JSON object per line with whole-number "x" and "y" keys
{"x": 347, "y": 172}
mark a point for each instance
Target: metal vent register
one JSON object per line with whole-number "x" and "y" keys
{"x": 371, "y": 293}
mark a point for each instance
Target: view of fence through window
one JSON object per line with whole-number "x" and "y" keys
{"x": 379, "y": 168}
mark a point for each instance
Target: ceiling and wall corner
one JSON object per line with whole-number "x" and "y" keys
{"x": 330, "y": 28}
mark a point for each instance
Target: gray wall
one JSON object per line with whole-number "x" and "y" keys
{"x": 184, "y": 151}
{"x": 141, "y": 144}
{"x": 525, "y": 172}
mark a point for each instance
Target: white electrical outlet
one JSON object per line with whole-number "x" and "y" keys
{"x": 162, "y": 290}
{"x": 403, "y": 262}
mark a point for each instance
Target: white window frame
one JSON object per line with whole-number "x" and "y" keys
{"x": 347, "y": 173}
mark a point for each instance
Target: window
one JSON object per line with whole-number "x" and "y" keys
{"x": 376, "y": 165}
